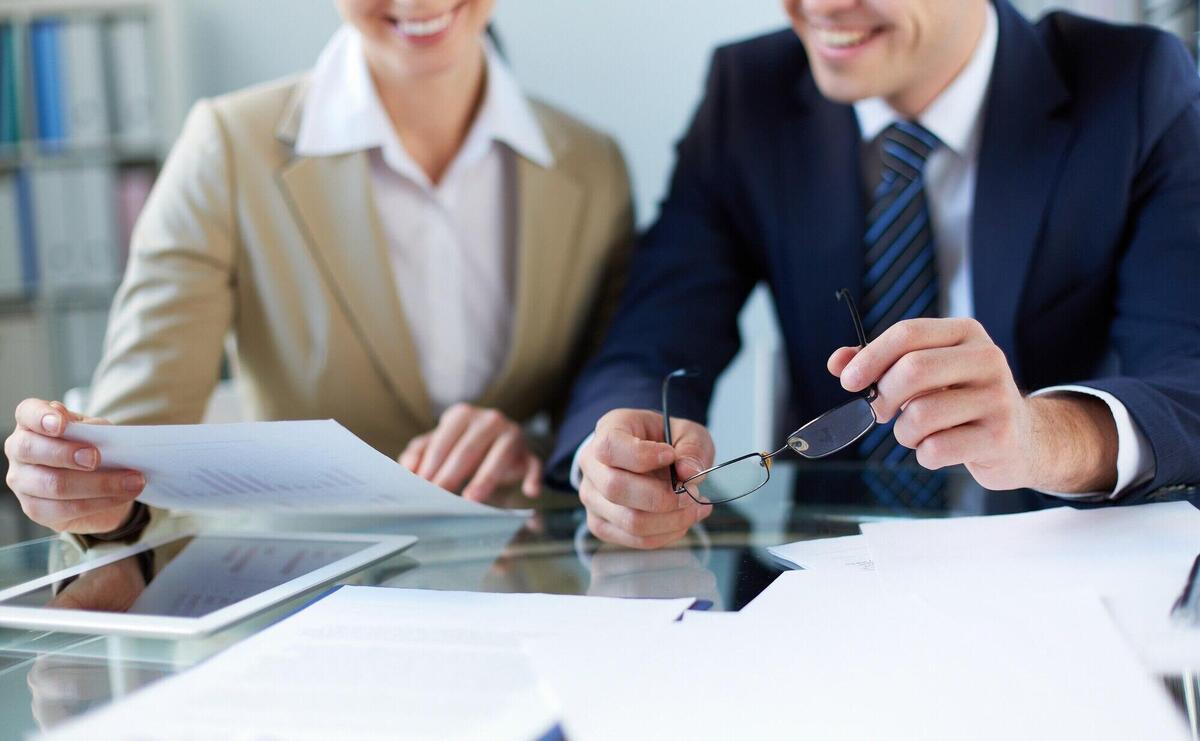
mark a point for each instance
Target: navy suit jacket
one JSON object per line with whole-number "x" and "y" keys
{"x": 1085, "y": 240}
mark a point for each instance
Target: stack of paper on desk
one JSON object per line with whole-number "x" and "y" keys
{"x": 369, "y": 663}
{"x": 838, "y": 656}
{"x": 1137, "y": 558}
{"x": 316, "y": 466}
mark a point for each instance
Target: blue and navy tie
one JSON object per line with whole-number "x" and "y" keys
{"x": 900, "y": 283}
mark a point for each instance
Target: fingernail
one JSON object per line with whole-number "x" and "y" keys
{"x": 850, "y": 377}
{"x": 52, "y": 423}
{"x": 85, "y": 458}
{"x": 665, "y": 457}
{"x": 134, "y": 483}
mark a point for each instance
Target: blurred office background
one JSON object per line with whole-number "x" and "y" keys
{"x": 92, "y": 92}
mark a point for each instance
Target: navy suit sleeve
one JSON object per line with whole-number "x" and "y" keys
{"x": 688, "y": 279}
{"x": 1156, "y": 330}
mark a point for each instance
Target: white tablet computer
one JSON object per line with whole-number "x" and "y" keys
{"x": 189, "y": 585}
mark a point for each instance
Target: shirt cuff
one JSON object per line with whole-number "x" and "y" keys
{"x": 576, "y": 477}
{"x": 1135, "y": 457}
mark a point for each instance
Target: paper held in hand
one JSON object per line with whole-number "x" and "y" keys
{"x": 311, "y": 466}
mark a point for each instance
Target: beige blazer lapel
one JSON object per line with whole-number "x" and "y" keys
{"x": 550, "y": 210}
{"x": 331, "y": 200}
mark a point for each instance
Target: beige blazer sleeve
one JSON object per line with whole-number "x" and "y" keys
{"x": 165, "y": 336}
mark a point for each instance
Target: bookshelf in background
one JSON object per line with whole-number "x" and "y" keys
{"x": 88, "y": 108}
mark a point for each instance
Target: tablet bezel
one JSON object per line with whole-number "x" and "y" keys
{"x": 160, "y": 626}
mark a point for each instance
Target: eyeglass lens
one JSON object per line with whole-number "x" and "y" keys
{"x": 729, "y": 482}
{"x": 833, "y": 430}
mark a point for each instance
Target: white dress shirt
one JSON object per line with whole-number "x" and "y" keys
{"x": 452, "y": 244}
{"x": 955, "y": 117}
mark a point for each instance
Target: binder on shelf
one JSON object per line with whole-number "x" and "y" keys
{"x": 10, "y": 107}
{"x": 128, "y": 39}
{"x": 29, "y": 252}
{"x": 84, "y": 89}
{"x": 12, "y": 275}
{"x": 133, "y": 190}
{"x": 75, "y": 220}
{"x": 44, "y": 41}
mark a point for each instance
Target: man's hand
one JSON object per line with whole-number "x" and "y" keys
{"x": 958, "y": 403}
{"x": 626, "y": 485}
{"x": 481, "y": 448}
{"x": 58, "y": 482}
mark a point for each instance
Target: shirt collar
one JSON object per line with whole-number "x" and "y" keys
{"x": 343, "y": 113}
{"x": 954, "y": 117}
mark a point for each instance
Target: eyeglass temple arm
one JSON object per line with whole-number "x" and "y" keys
{"x": 843, "y": 294}
{"x": 666, "y": 413}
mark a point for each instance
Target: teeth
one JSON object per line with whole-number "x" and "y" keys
{"x": 427, "y": 27}
{"x": 841, "y": 39}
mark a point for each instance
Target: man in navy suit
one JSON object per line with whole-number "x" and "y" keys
{"x": 1016, "y": 209}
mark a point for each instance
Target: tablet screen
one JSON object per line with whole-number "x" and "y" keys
{"x": 189, "y": 577}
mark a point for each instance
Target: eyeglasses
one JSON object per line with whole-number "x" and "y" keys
{"x": 827, "y": 434}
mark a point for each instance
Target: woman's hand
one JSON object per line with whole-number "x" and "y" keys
{"x": 58, "y": 482}
{"x": 480, "y": 448}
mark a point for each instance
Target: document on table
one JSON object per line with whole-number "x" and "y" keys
{"x": 1135, "y": 557}
{"x": 368, "y": 663}
{"x": 837, "y": 656}
{"x": 821, "y": 554}
{"x": 311, "y": 466}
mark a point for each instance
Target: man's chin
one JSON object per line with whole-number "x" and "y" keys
{"x": 840, "y": 89}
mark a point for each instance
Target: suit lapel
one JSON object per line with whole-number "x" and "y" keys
{"x": 821, "y": 200}
{"x": 331, "y": 200}
{"x": 1019, "y": 162}
{"x": 550, "y": 207}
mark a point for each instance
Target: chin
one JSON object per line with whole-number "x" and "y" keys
{"x": 842, "y": 89}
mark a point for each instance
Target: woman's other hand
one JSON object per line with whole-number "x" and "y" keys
{"x": 59, "y": 482}
{"x": 476, "y": 450}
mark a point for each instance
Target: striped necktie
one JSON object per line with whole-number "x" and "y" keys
{"x": 900, "y": 283}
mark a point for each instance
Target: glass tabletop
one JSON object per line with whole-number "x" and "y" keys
{"x": 48, "y": 677}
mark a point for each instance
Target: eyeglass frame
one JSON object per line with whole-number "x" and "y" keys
{"x": 872, "y": 393}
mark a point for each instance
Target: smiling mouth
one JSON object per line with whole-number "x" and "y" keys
{"x": 845, "y": 38}
{"x": 424, "y": 27}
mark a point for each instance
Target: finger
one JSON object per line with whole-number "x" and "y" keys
{"x": 24, "y": 446}
{"x": 840, "y": 358}
{"x": 471, "y": 448}
{"x": 619, "y": 449}
{"x": 411, "y": 457}
{"x": 645, "y": 492}
{"x": 443, "y": 438}
{"x": 941, "y": 410}
{"x": 610, "y": 533}
{"x": 923, "y": 371}
{"x": 42, "y": 416}
{"x": 531, "y": 486}
{"x": 962, "y": 444}
{"x": 899, "y": 340}
{"x": 70, "y": 416}
{"x": 56, "y": 511}
{"x": 634, "y": 521}
{"x": 501, "y": 459}
{"x": 60, "y": 484}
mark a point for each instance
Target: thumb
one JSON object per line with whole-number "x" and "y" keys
{"x": 840, "y": 358}
{"x": 693, "y": 449}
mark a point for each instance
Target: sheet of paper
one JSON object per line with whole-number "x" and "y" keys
{"x": 310, "y": 466}
{"x": 847, "y": 552}
{"x": 847, "y": 659}
{"x": 1136, "y": 557}
{"x": 368, "y": 663}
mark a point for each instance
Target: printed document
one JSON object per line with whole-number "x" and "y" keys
{"x": 374, "y": 663}
{"x": 311, "y": 466}
{"x": 1136, "y": 558}
{"x": 834, "y": 655}
{"x": 826, "y": 554}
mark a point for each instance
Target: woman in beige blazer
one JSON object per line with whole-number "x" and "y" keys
{"x": 398, "y": 240}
